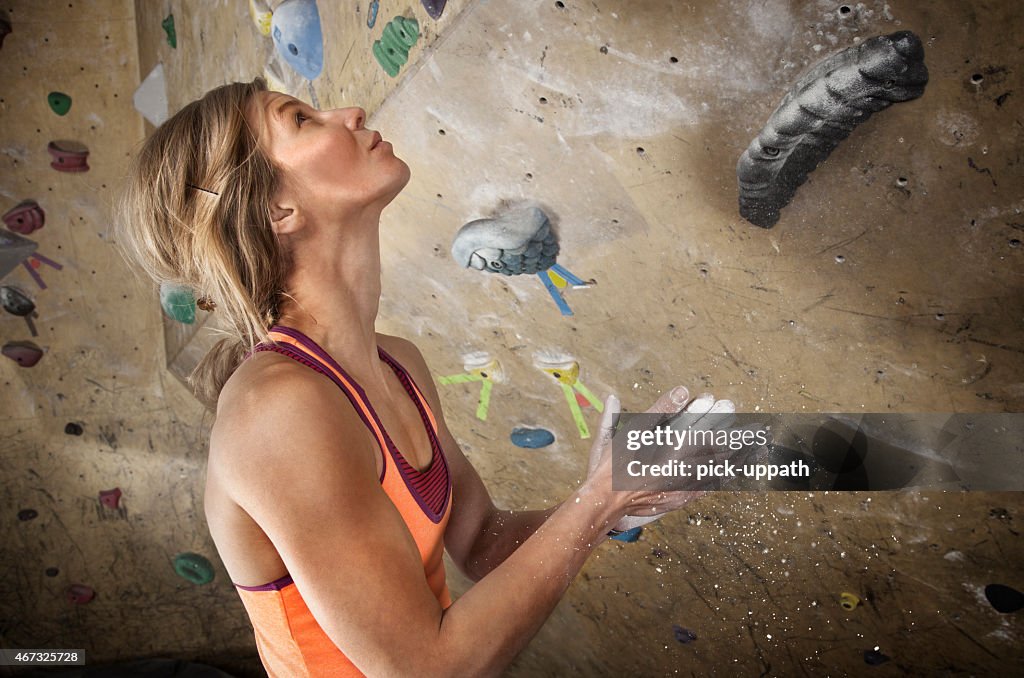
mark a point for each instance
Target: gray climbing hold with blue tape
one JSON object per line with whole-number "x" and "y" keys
{"x": 514, "y": 243}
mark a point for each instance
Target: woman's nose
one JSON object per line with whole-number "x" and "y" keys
{"x": 355, "y": 117}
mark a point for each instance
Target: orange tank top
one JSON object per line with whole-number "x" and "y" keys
{"x": 289, "y": 640}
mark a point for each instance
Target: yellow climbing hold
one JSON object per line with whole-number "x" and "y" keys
{"x": 261, "y": 15}
{"x": 567, "y": 374}
{"x": 492, "y": 370}
{"x": 848, "y": 601}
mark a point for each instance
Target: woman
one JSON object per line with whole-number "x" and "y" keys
{"x": 333, "y": 483}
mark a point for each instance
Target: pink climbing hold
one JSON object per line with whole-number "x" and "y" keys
{"x": 68, "y": 156}
{"x": 25, "y": 217}
{"x": 80, "y": 594}
{"x": 110, "y": 498}
{"x": 25, "y": 353}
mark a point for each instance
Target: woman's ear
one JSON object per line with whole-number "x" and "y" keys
{"x": 284, "y": 220}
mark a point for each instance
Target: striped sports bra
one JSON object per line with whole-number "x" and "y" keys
{"x": 289, "y": 640}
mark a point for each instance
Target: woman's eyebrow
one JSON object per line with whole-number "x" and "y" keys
{"x": 280, "y": 109}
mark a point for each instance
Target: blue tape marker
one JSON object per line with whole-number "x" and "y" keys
{"x": 548, "y": 283}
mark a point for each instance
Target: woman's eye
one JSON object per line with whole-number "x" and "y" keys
{"x": 298, "y": 120}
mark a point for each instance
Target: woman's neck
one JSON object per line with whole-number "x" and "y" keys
{"x": 333, "y": 296}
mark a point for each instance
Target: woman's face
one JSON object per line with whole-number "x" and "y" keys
{"x": 333, "y": 166}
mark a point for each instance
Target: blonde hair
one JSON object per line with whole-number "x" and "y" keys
{"x": 196, "y": 212}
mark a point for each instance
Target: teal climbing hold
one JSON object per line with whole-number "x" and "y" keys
{"x": 628, "y": 536}
{"x": 392, "y": 50}
{"x": 178, "y": 302}
{"x": 194, "y": 567}
{"x": 532, "y": 437}
{"x": 59, "y": 102}
{"x": 168, "y": 26}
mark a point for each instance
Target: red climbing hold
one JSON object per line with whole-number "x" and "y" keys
{"x": 25, "y": 353}
{"x": 68, "y": 156}
{"x": 582, "y": 400}
{"x": 25, "y": 217}
{"x": 80, "y": 594}
{"x": 110, "y": 498}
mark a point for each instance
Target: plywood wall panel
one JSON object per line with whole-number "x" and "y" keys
{"x": 923, "y": 314}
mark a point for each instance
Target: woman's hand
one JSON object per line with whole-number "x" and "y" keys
{"x": 644, "y": 507}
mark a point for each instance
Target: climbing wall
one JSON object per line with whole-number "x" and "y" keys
{"x": 891, "y": 282}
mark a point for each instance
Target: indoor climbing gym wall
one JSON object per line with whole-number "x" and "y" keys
{"x": 801, "y": 206}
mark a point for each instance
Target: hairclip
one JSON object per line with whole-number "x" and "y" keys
{"x": 199, "y": 188}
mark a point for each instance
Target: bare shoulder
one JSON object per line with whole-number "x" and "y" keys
{"x": 408, "y": 354}
{"x": 398, "y": 346}
{"x": 273, "y": 408}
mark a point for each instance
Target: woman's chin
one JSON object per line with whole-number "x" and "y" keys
{"x": 403, "y": 176}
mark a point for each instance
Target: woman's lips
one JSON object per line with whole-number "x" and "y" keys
{"x": 376, "y": 140}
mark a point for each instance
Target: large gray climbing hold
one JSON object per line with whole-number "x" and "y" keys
{"x": 515, "y": 243}
{"x": 821, "y": 110}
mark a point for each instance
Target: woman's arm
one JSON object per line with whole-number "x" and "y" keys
{"x": 504, "y": 532}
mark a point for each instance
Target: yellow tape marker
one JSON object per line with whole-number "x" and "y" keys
{"x": 485, "y": 400}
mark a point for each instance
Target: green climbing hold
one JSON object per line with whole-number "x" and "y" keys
{"x": 392, "y": 50}
{"x": 168, "y": 25}
{"x": 194, "y": 567}
{"x": 178, "y": 302}
{"x": 59, "y": 102}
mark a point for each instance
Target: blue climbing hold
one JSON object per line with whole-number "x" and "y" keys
{"x": 371, "y": 15}
{"x": 532, "y": 437}
{"x": 629, "y": 535}
{"x": 295, "y": 28}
